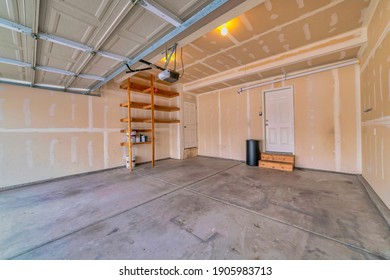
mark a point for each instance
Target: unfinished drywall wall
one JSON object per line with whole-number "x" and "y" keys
{"x": 46, "y": 134}
{"x": 326, "y": 128}
{"x": 375, "y": 98}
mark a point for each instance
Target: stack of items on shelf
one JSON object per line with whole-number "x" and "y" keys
{"x": 137, "y": 138}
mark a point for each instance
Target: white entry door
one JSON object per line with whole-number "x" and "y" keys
{"x": 190, "y": 135}
{"x": 279, "y": 120}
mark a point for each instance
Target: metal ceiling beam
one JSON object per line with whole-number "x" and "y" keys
{"x": 54, "y": 70}
{"x": 112, "y": 56}
{"x": 65, "y": 42}
{"x": 90, "y": 77}
{"x": 49, "y": 69}
{"x": 161, "y": 42}
{"x": 15, "y": 62}
{"x": 48, "y": 87}
{"x": 59, "y": 40}
{"x": 15, "y": 26}
{"x": 161, "y": 12}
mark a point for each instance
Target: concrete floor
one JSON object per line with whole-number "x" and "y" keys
{"x": 199, "y": 208}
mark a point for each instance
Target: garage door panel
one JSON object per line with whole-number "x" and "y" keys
{"x": 14, "y": 72}
{"x": 92, "y": 8}
{"x": 120, "y": 45}
{"x": 99, "y": 68}
{"x": 83, "y": 83}
{"x": 43, "y": 77}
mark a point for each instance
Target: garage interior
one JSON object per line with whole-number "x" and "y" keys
{"x": 77, "y": 78}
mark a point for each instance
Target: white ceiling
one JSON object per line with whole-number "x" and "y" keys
{"x": 118, "y": 28}
{"x": 261, "y": 32}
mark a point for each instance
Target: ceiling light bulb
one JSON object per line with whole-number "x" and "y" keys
{"x": 224, "y": 31}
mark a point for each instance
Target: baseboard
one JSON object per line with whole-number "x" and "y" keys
{"x": 380, "y": 205}
{"x": 58, "y": 178}
{"x": 67, "y": 177}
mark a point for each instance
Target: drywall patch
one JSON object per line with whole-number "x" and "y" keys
{"x": 383, "y": 157}
{"x": 27, "y": 111}
{"x": 374, "y": 95}
{"x": 52, "y": 110}
{"x": 268, "y": 5}
{"x": 274, "y": 16}
{"x": 306, "y": 30}
{"x": 333, "y": 20}
{"x": 300, "y": 3}
{"x": 281, "y": 38}
{"x": 105, "y": 147}
{"x": 363, "y": 14}
{"x": 336, "y": 118}
{"x": 73, "y": 112}
{"x": 286, "y": 47}
{"x": 380, "y": 81}
{"x": 266, "y": 49}
{"x": 246, "y": 22}
{"x": 375, "y": 152}
{"x": 73, "y": 149}
{"x": 29, "y": 154}
{"x": 90, "y": 112}
{"x": 1, "y": 109}
{"x": 53, "y": 143}
{"x": 105, "y": 115}
{"x": 90, "y": 153}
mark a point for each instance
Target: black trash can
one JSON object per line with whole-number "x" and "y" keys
{"x": 252, "y": 152}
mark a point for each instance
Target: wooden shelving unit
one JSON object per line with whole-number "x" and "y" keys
{"x": 152, "y": 91}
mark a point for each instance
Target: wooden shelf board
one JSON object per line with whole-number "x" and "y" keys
{"x": 137, "y": 143}
{"x": 146, "y": 120}
{"x": 165, "y": 121}
{"x": 141, "y": 120}
{"x": 135, "y": 129}
{"x": 147, "y": 106}
{"x": 126, "y": 144}
{"x": 146, "y": 90}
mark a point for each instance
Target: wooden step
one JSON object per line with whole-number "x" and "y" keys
{"x": 286, "y": 158}
{"x": 276, "y": 165}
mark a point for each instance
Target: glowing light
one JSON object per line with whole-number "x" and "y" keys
{"x": 224, "y": 30}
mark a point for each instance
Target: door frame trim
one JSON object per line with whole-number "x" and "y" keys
{"x": 196, "y": 122}
{"x": 263, "y": 110}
